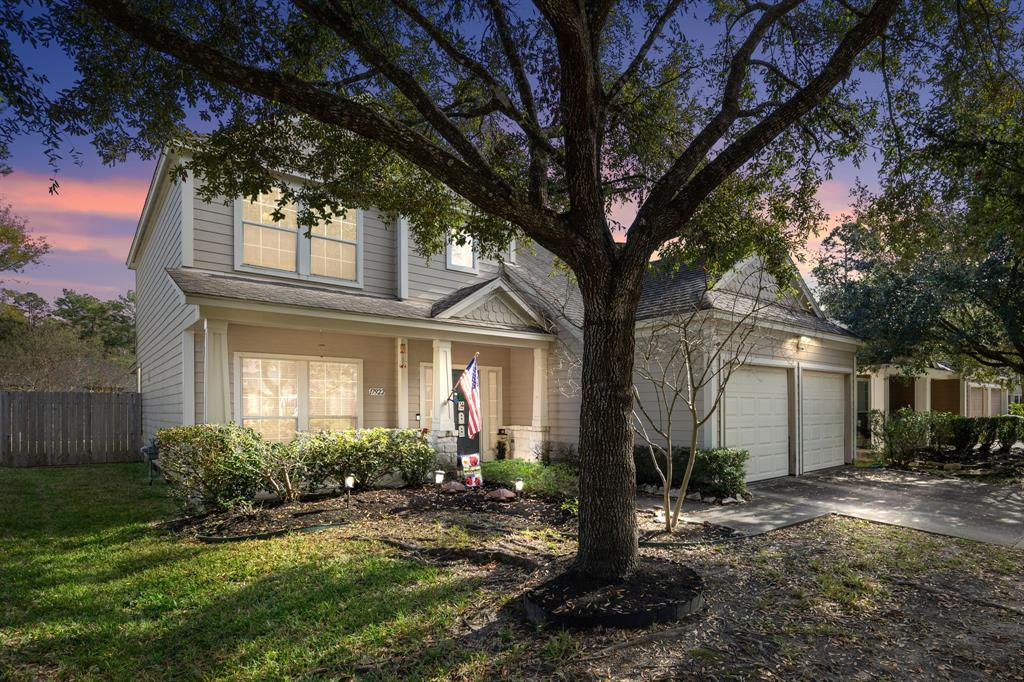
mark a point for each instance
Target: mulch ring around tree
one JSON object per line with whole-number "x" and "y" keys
{"x": 659, "y": 591}
{"x": 272, "y": 519}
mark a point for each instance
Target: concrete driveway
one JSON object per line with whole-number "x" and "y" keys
{"x": 964, "y": 509}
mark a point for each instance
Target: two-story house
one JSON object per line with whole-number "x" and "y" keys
{"x": 243, "y": 318}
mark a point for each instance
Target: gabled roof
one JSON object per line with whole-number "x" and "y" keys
{"x": 666, "y": 292}
{"x": 492, "y": 301}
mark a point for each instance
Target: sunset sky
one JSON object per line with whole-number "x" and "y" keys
{"x": 90, "y": 221}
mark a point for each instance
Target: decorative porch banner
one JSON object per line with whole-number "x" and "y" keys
{"x": 472, "y": 474}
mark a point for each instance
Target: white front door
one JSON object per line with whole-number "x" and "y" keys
{"x": 757, "y": 419}
{"x": 823, "y": 420}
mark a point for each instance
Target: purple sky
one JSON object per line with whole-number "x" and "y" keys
{"x": 90, "y": 222}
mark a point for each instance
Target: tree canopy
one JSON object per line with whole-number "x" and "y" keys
{"x": 479, "y": 119}
{"x": 18, "y": 246}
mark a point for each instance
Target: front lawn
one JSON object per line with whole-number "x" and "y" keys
{"x": 92, "y": 585}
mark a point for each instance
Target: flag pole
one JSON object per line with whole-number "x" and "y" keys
{"x": 452, "y": 394}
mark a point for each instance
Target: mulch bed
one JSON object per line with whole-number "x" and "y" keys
{"x": 273, "y": 519}
{"x": 659, "y": 591}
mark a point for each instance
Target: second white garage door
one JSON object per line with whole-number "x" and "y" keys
{"x": 757, "y": 420}
{"x": 824, "y": 420}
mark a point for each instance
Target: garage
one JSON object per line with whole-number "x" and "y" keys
{"x": 757, "y": 419}
{"x": 823, "y": 420}
{"x": 976, "y": 402}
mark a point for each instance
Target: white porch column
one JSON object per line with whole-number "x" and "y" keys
{"x": 988, "y": 402}
{"x": 215, "y": 376}
{"x": 965, "y": 395}
{"x": 444, "y": 417}
{"x": 188, "y": 377}
{"x": 540, "y": 388}
{"x": 402, "y": 381}
{"x": 922, "y": 394}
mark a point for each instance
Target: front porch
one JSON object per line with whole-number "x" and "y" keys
{"x": 288, "y": 373}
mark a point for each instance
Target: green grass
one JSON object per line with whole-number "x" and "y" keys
{"x": 89, "y": 588}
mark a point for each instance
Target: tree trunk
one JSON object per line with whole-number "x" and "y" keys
{"x": 607, "y": 523}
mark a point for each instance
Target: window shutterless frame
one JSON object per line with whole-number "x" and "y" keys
{"x": 302, "y": 270}
{"x": 303, "y": 384}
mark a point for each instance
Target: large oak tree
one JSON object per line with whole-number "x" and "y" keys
{"x": 479, "y": 119}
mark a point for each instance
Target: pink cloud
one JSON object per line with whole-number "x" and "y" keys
{"x": 115, "y": 197}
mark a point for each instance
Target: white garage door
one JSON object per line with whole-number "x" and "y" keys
{"x": 824, "y": 420}
{"x": 976, "y": 402}
{"x": 757, "y": 419}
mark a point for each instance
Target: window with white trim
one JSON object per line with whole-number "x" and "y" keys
{"x": 334, "y": 246}
{"x": 266, "y": 242}
{"x": 280, "y": 396}
{"x": 461, "y": 256}
{"x": 332, "y": 252}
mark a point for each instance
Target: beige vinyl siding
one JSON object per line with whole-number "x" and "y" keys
{"x": 214, "y": 240}
{"x": 162, "y": 315}
{"x": 200, "y": 365}
{"x": 379, "y": 260}
{"x": 377, "y": 354}
{"x": 519, "y": 387}
{"x": 213, "y": 235}
{"x": 430, "y": 280}
{"x": 564, "y": 397}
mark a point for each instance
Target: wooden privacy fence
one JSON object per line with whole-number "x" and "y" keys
{"x": 51, "y": 429}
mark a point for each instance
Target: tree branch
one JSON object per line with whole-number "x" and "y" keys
{"x": 665, "y": 219}
{"x": 331, "y": 108}
{"x": 641, "y": 55}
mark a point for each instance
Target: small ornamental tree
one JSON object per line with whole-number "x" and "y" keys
{"x": 479, "y": 120}
{"x": 685, "y": 361}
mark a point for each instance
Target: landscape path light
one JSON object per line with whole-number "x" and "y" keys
{"x": 519, "y": 485}
{"x": 350, "y": 482}
{"x": 438, "y": 477}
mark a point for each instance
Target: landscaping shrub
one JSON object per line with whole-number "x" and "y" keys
{"x": 215, "y": 465}
{"x": 284, "y": 470}
{"x": 988, "y": 430}
{"x": 904, "y": 434}
{"x": 1009, "y": 431}
{"x": 559, "y": 481}
{"x": 721, "y": 472}
{"x": 1017, "y": 409}
{"x": 367, "y": 454}
{"x": 966, "y": 431}
{"x": 415, "y": 458}
{"x": 646, "y": 474}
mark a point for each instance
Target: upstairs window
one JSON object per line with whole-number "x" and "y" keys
{"x": 332, "y": 252}
{"x": 334, "y": 247}
{"x": 462, "y": 256}
{"x": 266, "y": 242}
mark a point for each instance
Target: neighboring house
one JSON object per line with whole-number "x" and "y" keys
{"x": 243, "y": 319}
{"x": 938, "y": 389}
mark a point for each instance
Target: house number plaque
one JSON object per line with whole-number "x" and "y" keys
{"x": 376, "y": 391}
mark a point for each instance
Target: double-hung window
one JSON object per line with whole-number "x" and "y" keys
{"x": 281, "y": 395}
{"x": 334, "y": 246}
{"x": 332, "y": 252}
{"x": 266, "y": 242}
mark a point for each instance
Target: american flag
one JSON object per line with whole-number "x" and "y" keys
{"x": 469, "y": 384}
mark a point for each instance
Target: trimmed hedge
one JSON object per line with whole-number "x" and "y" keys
{"x": 223, "y": 465}
{"x": 907, "y": 435}
{"x": 720, "y": 472}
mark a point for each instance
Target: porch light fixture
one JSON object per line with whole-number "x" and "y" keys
{"x": 802, "y": 342}
{"x": 519, "y": 485}
{"x": 438, "y": 477}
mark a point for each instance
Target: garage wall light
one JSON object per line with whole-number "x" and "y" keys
{"x": 802, "y": 342}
